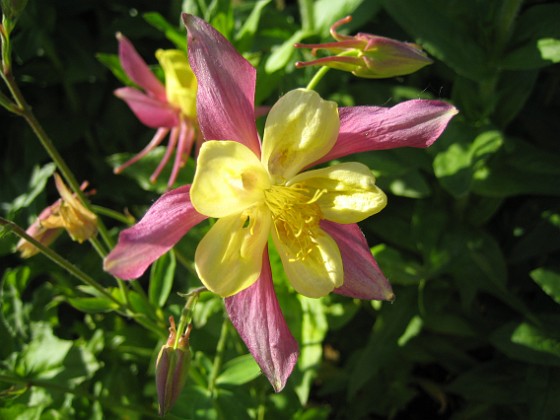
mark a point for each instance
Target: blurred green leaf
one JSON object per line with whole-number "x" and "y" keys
{"x": 239, "y": 371}
{"x": 112, "y": 62}
{"x": 176, "y": 34}
{"x": 535, "y": 41}
{"x": 162, "y": 274}
{"x": 37, "y": 184}
{"x": 441, "y": 35}
{"x": 549, "y": 281}
{"x": 456, "y": 166}
{"x": 283, "y": 53}
{"x": 528, "y": 343}
{"x": 93, "y": 305}
{"x": 398, "y": 269}
{"x": 245, "y": 35}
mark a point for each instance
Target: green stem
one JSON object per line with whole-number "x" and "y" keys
{"x": 127, "y": 220}
{"x": 26, "y": 112}
{"x": 317, "y": 78}
{"x": 186, "y": 314}
{"x": 217, "y": 365}
{"x": 59, "y": 260}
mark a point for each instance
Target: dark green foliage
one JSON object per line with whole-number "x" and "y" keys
{"x": 470, "y": 238}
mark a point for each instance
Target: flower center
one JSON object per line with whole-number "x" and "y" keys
{"x": 296, "y": 216}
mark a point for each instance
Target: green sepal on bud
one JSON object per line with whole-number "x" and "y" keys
{"x": 366, "y": 55}
{"x": 172, "y": 368}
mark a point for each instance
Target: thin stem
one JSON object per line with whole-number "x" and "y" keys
{"x": 317, "y": 78}
{"x": 123, "y": 218}
{"x": 59, "y": 260}
{"x": 186, "y": 314}
{"x": 26, "y": 112}
{"x": 217, "y": 365}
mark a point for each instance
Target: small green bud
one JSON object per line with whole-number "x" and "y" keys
{"x": 172, "y": 368}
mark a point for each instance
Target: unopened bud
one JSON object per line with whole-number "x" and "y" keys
{"x": 172, "y": 368}
{"x": 366, "y": 55}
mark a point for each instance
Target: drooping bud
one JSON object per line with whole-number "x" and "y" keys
{"x": 172, "y": 367}
{"x": 79, "y": 222}
{"x": 366, "y": 55}
{"x": 65, "y": 213}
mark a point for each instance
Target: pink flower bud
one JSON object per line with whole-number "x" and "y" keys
{"x": 366, "y": 55}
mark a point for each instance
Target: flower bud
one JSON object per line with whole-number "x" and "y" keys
{"x": 172, "y": 368}
{"x": 366, "y": 55}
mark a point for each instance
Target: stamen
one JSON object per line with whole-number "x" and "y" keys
{"x": 296, "y": 216}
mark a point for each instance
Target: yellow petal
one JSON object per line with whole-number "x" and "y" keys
{"x": 180, "y": 81}
{"x": 229, "y": 257}
{"x": 300, "y": 128}
{"x": 316, "y": 273}
{"x": 229, "y": 178}
{"x": 347, "y": 192}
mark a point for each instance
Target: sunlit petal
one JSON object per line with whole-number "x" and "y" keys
{"x": 226, "y": 86}
{"x": 316, "y": 273}
{"x": 414, "y": 123}
{"x": 256, "y": 315}
{"x": 180, "y": 82}
{"x": 229, "y": 257}
{"x": 229, "y": 178}
{"x": 347, "y": 192}
{"x": 363, "y": 279}
{"x": 169, "y": 218}
{"x": 300, "y": 128}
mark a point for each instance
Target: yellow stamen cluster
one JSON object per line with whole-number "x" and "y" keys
{"x": 296, "y": 215}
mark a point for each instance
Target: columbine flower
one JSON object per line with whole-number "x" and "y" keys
{"x": 270, "y": 184}
{"x": 66, "y": 213}
{"x": 367, "y": 55}
{"x": 170, "y": 108}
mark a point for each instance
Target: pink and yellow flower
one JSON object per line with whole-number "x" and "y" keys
{"x": 264, "y": 189}
{"x": 66, "y": 213}
{"x": 171, "y": 108}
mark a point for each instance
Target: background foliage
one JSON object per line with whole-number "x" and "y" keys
{"x": 470, "y": 238}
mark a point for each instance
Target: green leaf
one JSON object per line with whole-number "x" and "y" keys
{"x": 327, "y": 12}
{"x": 93, "y": 305}
{"x": 176, "y": 34}
{"x": 398, "y": 269}
{"x": 245, "y": 35}
{"x": 535, "y": 42}
{"x": 382, "y": 346}
{"x": 549, "y": 49}
{"x": 456, "y": 166}
{"x": 529, "y": 343}
{"x": 37, "y": 184}
{"x": 239, "y": 371}
{"x": 112, "y": 62}
{"x": 549, "y": 281}
{"x": 282, "y": 54}
{"x": 162, "y": 275}
{"x": 436, "y": 29}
